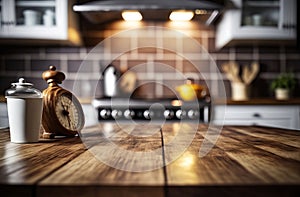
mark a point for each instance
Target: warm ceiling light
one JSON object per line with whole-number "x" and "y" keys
{"x": 132, "y": 15}
{"x": 200, "y": 12}
{"x": 181, "y": 15}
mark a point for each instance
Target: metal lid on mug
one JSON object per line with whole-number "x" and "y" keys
{"x": 22, "y": 89}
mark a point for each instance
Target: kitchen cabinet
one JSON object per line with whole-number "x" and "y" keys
{"x": 51, "y": 20}
{"x": 266, "y": 115}
{"x": 257, "y": 21}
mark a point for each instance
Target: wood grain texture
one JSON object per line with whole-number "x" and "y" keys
{"x": 95, "y": 171}
{"x": 240, "y": 158}
{"x": 245, "y": 161}
{"x": 26, "y": 164}
{"x": 102, "y": 179}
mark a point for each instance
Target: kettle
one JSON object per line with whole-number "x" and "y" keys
{"x": 191, "y": 91}
{"x": 110, "y": 79}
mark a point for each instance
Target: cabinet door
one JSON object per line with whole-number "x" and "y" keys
{"x": 258, "y": 20}
{"x": 288, "y": 21}
{"x": 5, "y": 17}
{"x": 268, "y": 19}
{"x": 43, "y": 19}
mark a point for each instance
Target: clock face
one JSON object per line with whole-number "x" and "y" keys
{"x": 69, "y": 113}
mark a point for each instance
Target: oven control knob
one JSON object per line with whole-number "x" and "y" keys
{"x": 105, "y": 113}
{"x": 116, "y": 113}
{"x": 148, "y": 114}
{"x": 193, "y": 114}
{"x": 168, "y": 114}
{"x": 180, "y": 114}
{"x": 129, "y": 114}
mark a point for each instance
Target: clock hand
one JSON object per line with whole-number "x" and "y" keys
{"x": 62, "y": 104}
{"x": 66, "y": 113}
{"x": 69, "y": 121}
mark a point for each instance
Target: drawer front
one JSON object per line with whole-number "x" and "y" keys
{"x": 281, "y": 123}
{"x": 277, "y": 116}
{"x": 254, "y": 112}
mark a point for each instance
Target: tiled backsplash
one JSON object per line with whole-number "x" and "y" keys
{"x": 155, "y": 56}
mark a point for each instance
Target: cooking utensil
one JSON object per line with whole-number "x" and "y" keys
{"x": 191, "y": 91}
{"x": 110, "y": 77}
{"x": 248, "y": 74}
{"x": 232, "y": 71}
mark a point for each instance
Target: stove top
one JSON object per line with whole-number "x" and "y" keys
{"x": 151, "y": 109}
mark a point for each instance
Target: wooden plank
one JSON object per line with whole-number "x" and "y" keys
{"x": 26, "y": 164}
{"x": 234, "y": 158}
{"x": 90, "y": 169}
{"x": 288, "y": 137}
{"x": 268, "y": 167}
{"x": 276, "y": 147}
{"x": 216, "y": 168}
{"x": 243, "y": 159}
{"x": 234, "y": 167}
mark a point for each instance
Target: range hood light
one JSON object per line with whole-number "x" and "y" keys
{"x": 131, "y": 15}
{"x": 104, "y": 11}
{"x": 181, "y": 15}
{"x": 200, "y": 12}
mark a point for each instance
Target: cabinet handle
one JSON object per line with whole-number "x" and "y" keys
{"x": 289, "y": 26}
{"x": 7, "y": 22}
{"x": 256, "y": 115}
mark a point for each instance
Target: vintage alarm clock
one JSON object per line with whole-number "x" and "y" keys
{"x": 62, "y": 112}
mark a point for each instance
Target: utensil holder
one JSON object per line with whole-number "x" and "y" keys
{"x": 239, "y": 91}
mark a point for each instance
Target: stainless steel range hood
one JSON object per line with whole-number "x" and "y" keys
{"x": 101, "y": 11}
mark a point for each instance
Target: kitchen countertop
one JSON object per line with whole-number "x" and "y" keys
{"x": 252, "y": 101}
{"x": 259, "y": 101}
{"x": 245, "y": 161}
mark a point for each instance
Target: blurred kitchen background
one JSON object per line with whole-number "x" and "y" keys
{"x": 235, "y": 34}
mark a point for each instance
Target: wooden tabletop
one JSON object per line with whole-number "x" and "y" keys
{"x": 243, "y": 161}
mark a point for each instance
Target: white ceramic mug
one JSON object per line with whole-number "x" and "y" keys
{"x": 24, "y": 115}
{"x": 32, "y": 17}
{"x": 48, "y": 18}
{"x": 257, "y": 19}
